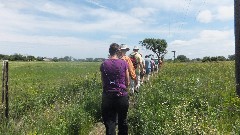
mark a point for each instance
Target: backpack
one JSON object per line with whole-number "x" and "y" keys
{"x": 134, "y": 60}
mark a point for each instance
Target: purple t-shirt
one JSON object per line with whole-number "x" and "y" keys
{"x": 114, "y": 76}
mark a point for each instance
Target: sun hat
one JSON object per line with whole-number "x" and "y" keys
{"x": 124, "y": 47}
{"x": 135, "y": 48}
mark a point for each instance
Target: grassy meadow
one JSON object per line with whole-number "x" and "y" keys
{"x": 65, "y": 98}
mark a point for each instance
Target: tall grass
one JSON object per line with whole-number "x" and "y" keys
{"x": 53, "y": 98}
{"x": 189, "y": 98}
{"x": 65, "y": 98}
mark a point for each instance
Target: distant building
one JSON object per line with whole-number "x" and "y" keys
{"x": 47, "y": 59}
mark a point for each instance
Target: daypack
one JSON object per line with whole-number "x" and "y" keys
{"x": 134, "y": 60}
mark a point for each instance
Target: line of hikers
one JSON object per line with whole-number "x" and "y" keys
{"x": 119, "y": 73}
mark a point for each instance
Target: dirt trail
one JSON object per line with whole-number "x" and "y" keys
{"x": 98, "y": 129}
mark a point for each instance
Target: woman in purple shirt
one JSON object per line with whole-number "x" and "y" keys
{"x": 115, "y": 80}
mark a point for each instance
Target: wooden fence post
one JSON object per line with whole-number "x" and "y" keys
{"x": 5, "y": 104}
{"x": 237, "y": 44}
{"x": 6, "y": 90}
{"x": 3, "y": 81}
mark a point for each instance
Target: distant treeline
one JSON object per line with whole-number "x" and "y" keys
{"x": 20, "y": 57}
{"x": 179, "y": 58}
{"x": 183, "y": 58}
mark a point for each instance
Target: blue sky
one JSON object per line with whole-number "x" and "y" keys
{"x": 86, "y": 28}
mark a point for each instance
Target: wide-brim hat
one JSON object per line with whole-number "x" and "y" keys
{"x": 135, "y": 48}
{"x": 124, "y": 47}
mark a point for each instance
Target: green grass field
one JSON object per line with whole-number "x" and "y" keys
{"x": 65, "y": 98}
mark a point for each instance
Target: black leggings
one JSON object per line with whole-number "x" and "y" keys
{"x": 112, "y": 106}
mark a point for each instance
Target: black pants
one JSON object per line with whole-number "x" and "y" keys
{"x": 112, "y": 106}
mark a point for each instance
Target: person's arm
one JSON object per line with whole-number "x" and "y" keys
{"x": 127, "y": 78}
{"x": 131, "y": 69}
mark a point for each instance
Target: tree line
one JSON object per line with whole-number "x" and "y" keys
{"x": 183, "y": 58}
{"x": 179, "y": 58}
{"x": 20, "y": 57}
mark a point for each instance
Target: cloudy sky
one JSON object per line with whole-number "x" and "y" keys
{"x": 86, "y": 28}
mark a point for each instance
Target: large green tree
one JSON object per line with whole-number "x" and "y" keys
{"x": 158, "y": 46}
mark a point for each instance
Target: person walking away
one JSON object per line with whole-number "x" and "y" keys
{"x": 160, "y": 64}
{"x": 148, "y": 66}
{"x": 152, "y": 66}
{"x": 131, "y": 68}
{"x": 156, "y": 65}
{"x": 142, "y": 74}
{"x": 115, "y": 80}
{"x": 137, "y": 63}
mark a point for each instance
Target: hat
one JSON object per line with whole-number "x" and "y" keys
{"x": 135, "y": 48}
{"x": 124, "y": 47}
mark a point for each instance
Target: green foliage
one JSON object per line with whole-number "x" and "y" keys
{"x": 182, "y": 58}
{"x": 65, "y": 98}
{"x": 213, "y": 59}
{"x": 53, "y": 98}
{"x": 158, "y": 46}
{"x": 188, "y": 98}
{"x": 231, "y": 57}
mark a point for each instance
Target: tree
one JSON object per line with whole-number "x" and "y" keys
{"x": 67, "y": 58}
{"x": 39, "y": 58}
{"x": 206, "y": 59}
{"x": 231, "y": 57}
{"x": 55, "y": 59}
{"x": 182, "y": 58}
{"x": 89, "y": 59}
{"x": 213, "y": 59}
{"x": 221, "y": 58}
{"x": 30, "y": 58}
{"x": 158, "y": 46}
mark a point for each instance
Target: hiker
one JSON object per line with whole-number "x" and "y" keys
{"x": 142, "y": 73}
{"x": 131, "y": 68}
{"x": 152, "y": 66}
{"x": 156, "y": 65}
{"x": 137, "y": 63}
{"x": 115, "y": 80}
{"x": 160, "y": 64}
{"x": 148, "y": 65}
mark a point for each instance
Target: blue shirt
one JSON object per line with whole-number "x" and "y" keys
{"x": 147, "y": 63}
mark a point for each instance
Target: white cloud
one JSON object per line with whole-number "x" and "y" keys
{"x": 225, "y": 13}
{"x": 222, "y": 13}
{"x": 205, "y": 16}
{"x": 208, "y": 43}
{"x": 105, "y": 20}
{"x": 60, "y": 10}
{"x": 142, "y": 12}
{"x": 185, "y": 5}
{"x": 61, "y": 24}
{"x": 96, "y": 3}
{"x": 118, "y": 37}
{"x": 54, "y": 45}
